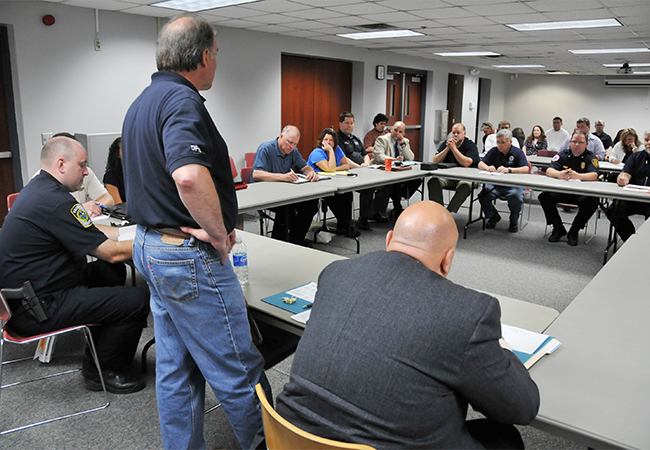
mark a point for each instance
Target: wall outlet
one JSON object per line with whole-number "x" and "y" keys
{"x": 45, "y": 137}
{"x": 98, "y": 45}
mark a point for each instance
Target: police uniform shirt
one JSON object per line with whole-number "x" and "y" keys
{"x": 467, "y": 148}
{"x": 45, "y": 238}
{"x": 165, "y": 128}
{"x": 352, "y": 147}
{"x": 584, "y": 163}
{"x": 269, "y": 158}
{"x": 638, "y": 166}
{"x": 513, "y": 158}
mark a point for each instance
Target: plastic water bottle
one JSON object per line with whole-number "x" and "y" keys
{"x": 240, "y": 260}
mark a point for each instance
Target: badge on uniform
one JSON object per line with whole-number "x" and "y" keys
{"x": 595, "y": 162}
{"x": 81, "y": 215}
{"x": 582, "y": 165}
{"x": 556, "y": 158}
{"x": 512, "y": 158}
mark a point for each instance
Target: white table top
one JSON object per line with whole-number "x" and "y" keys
{"x": 594, "y": 388}
{"x": 367, "y": 177}
{"x": 262, "y": 195}
{"x": 543, "y": 183}
{"x": 545, "y": 161}
{"x": 276, "y": 266}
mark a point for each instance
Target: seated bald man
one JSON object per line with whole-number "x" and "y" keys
{"x": 395, "y": 364}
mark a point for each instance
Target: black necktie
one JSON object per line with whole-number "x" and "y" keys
{"x": 396, "y": 150}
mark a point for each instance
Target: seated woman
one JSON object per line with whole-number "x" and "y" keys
{"x": 328, "y": 157}
{"x": 535, "y": 142}
{"x": 114, "y": 176}
{"x": 628, "y": 144}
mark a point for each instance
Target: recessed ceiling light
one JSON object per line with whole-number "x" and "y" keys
{"x": 518, "y": 66}
{"x": 617, "y": 65}
{"x": 380, "y": 34}
{"x": 468, "y": 54}
{"x": 599, "y": 51}
{"x": 565, "y": 25}
{"x": 199, "y": 5}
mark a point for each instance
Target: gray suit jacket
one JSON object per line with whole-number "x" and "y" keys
{"x": 392, "y": 360}
{"x": 384, "y": 148}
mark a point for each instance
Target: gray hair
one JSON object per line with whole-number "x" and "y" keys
{"x": 506, "y": 134}
{"x": 182, "y": 41}
{"x": 291, "y": 130}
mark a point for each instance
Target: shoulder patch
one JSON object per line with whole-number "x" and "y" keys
{"x": 79, "y": 213}
{"x": 595, "y": 162}
{"x": 556, "y": 158}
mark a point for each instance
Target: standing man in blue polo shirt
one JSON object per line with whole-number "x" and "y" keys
{"x": 279, "y": 160}
{"x": 180, "y": 191}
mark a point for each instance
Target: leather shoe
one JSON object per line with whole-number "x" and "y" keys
{"x": 514, "y": 227}
{"x": 492, "y": 221}
{"x": 116, "y": 381}
{"x": 379, "y": 218}
{"x": 558, "y": 232}
{"x": 572, "y": 237}
{"x": 363, "y": 224}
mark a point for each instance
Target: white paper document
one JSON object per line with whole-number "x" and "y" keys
{"x": 302, "y": 317}
{"x": 306, "y": 292}
{"x": 491, "y": 173}
{"x": 127, "y": 233}
{"x": 522, "y": 340}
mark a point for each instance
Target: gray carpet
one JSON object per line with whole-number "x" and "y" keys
{"x": 521, "y": 265}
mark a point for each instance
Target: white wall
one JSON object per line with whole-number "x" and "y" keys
{"x": 62, "y": 84}
{"x": 536, "y": 99}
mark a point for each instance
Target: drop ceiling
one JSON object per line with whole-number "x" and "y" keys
{"x": 447, "y": 26}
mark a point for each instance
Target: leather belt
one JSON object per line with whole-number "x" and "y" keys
{"x": 176, "y": 232}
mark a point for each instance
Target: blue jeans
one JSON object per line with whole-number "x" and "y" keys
{"x": 202, "y": 333}
{"x": 514, "y": 195}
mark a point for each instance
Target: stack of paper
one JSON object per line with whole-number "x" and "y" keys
{"x": 528, "y": 345}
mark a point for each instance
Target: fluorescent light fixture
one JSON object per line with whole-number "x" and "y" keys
{"x": 199, "y": 5}
{"x": 617, "y": 65}
{"x": 565, "y": 25}
{"x": 557, "y": 72}
{"x": 600, "y": 51}
{"x": 381, "y": 34}
{"x": 468, "y": 54}
{"x": 518, "y": 66}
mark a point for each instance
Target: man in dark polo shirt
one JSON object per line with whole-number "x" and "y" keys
{"x": 576, "y": 163}
{"x": 44, "y": 240}
{"x": 181, "y": 193}
{"x": 636, "y": 172}
{"x": 504, "y": 158}
{"x": 458, "y": 150}
{"x": 280, "y": 160}
{"x": 358, "y": 156}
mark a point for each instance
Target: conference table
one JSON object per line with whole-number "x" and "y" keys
{"x": 265, "y": 195}
{"x": 545, "y": 161}
{"x": 275, "y": 266}
{"x": 594, "y": 388}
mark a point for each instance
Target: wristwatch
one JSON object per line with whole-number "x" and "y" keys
{"x": 509, "y": 169}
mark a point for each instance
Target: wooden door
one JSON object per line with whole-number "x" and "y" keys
{"x": 314, "y": 93}
{"x": 454, "y": 100}
{"x": 404, "y": 99}
{"x": 9, "y": 161}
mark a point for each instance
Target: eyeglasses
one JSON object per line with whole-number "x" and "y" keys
{"x": 578, "y": 143}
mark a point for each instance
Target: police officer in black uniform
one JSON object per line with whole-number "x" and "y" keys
{"x": 576, "y": 163}
{"x": 636, "y": 171}
{"x": 44, "y": 240}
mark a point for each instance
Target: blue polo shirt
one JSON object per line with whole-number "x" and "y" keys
{"x": 319, "y": 154}
{"x": 638, "y": 166}
{"x": 513, "y": 158}
{"x": 165, "y": 128}
{"x": 269, "y": 159}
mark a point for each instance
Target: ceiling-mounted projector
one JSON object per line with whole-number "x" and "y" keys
{"x": 625, "y": 69}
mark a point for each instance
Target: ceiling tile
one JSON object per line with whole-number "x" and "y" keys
{"x": 443, "y": 13}
{"x": 362, "y": 8}
{"x": 273, "y": 19}
{"x": 314, "y": 14}
{"x": 412, "y": 5}
{"x": 275, "y": 6}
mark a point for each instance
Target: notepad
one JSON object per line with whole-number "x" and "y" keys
{"x": 529, "y": 346}
{"x": 637, "y": 188}
{"x": 303, "y": 178}
{"x": 304, "y": 295}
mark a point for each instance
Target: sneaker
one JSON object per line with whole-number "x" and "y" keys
{"x": 558, "y": 232}
{"x": 492, "y": 221}
{"x": 514, "y": 227}
{"x": 572, "y": 237}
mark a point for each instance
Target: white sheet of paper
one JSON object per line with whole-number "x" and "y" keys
{"x": 127, "y": 233}
{"x": 302, "y": 317}
{"x": 522, "y": 340}
{"x": 491, "y": 173}
{"x": 306, "y": 292}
